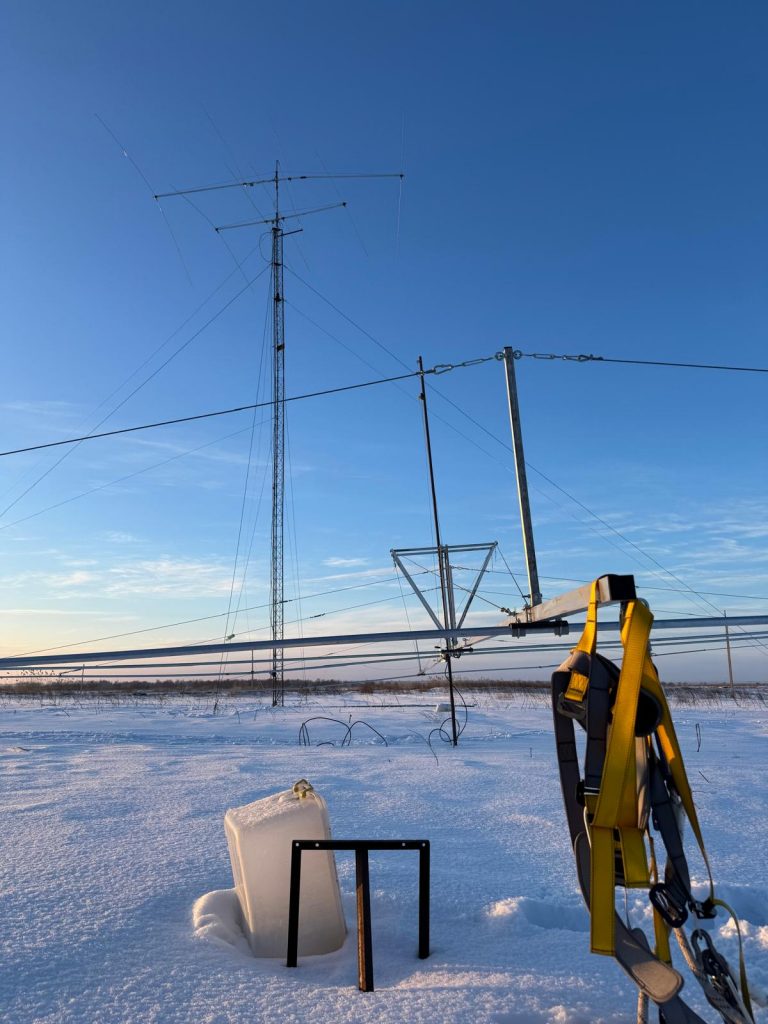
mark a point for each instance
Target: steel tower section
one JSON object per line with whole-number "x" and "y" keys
{"x": 278, "y": 454}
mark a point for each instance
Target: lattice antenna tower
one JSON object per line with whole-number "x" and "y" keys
{"x": 276, "y": 224}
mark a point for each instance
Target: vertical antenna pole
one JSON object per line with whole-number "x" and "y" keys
{"x": 728, "y": 652}
{"x": 440, "y": 557}
{"x": 278, "y": 449}
{"x": 449, "y": 588}
{"x": 534, "y": 592}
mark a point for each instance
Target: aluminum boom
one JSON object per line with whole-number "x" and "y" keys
{"x": 474, "y": 633}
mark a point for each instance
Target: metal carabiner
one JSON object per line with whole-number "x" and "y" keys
{"x": 674, "y": 913}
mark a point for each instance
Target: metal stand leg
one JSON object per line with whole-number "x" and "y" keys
{"x": 364, "y": 947}
{"x": 424, "y": 901}
{"x": 293, "y": 906}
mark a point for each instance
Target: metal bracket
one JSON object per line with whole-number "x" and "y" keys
{"x": 611, "y": 589}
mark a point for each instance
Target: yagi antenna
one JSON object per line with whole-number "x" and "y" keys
{"x": 271, "y": 181}
{"x": 280, "y": 217}
{"x": 277, "y": 602}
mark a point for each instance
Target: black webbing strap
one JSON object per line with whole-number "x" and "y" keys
{"x": 567, "y": 755}
{"x": 673, "y": 897}
{"x": 602, "y": 675}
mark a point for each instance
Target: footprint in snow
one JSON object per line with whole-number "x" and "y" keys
{"x": 540, "y": 914}
{"x": 556, "y": 1015}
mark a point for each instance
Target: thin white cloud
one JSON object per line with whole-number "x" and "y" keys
{"x": 212, "y": 453}
{"x": 344, "y": 563}
{"x": 387, "y": 570}
{"x": 70, "y": 613}
{"x": 41, "y": 407}
{"x": 167, "y": 576}
{"x": 162, "y": 576}
{"x": 73, "y": 579}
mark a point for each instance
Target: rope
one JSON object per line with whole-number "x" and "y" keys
{"x": 642, "y": 1008}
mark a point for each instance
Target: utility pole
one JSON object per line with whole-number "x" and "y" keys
{"x": 534, "y": 591}
{"x": 728, "y": 653}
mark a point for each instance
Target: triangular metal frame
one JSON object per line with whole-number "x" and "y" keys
{"x": 444, "y": 553}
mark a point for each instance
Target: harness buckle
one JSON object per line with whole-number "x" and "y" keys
{"x": 576, "y": 709}
{"x": 673, "y": 912}
{"x": 704, "y": 909}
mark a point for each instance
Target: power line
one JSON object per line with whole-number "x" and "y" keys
{"x": 201, "y": 416}
{"x": 439, "y": 369}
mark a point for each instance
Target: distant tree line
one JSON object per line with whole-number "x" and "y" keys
{"x": 34, "y": 684}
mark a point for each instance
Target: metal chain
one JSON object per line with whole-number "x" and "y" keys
{"x": 439, "y": 368}
{"x": 590, "y": 358}
{"x": 551, "y": 355}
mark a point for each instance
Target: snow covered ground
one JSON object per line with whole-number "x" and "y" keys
{"x": 113, "y": 830}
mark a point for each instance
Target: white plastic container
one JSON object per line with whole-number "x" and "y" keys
{"x": 259, "y": 837}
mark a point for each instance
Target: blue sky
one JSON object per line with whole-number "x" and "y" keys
{"x": 579, "y": 178}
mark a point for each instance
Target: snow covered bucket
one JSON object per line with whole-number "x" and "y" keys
{"x": 259, "y": 837}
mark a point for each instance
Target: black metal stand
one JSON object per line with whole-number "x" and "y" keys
{"x": 361, "y": 848}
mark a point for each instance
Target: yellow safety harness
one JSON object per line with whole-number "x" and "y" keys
{"x": 634, "y": 776}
